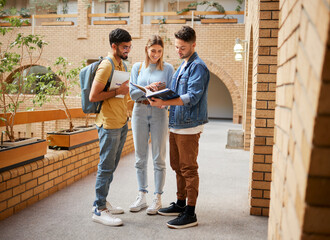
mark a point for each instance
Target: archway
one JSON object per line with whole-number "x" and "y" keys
{"x": 219, "y": 103}
{"x": 232, "y": 88}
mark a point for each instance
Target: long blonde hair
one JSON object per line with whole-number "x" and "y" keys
{"x": 155, "y": 40}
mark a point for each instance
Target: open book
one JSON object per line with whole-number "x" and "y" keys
{"x": 117, "y": 79}
{"x": 164, "y": 94}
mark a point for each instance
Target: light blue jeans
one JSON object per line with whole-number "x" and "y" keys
{"x": 111, "y": 145}
{"x": 145, "y": 120}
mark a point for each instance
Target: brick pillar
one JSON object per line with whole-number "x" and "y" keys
{"x": 248, "y": 98}
{"x": 263, "y": 108}
{"x": 83, "y": 20}
{"x": 135, "y": 18}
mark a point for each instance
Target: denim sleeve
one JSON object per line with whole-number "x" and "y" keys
{"x": 197, "y": 83}
{"x": 135, "y": 93}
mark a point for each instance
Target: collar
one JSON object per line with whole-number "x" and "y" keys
{"x": 115, "y": 62}
{"x": 192, "y": 57}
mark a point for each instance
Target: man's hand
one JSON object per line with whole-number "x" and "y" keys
{"x": 123, "y": 89}
{"x": 156, "y": 102}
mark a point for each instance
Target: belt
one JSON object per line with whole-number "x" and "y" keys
{"x": 145, "y": 102}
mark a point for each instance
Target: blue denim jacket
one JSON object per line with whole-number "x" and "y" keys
{"x": 191, "y": 85}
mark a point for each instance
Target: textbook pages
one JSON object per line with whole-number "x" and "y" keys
{"x": 117, "y": 79}
{"x": 164, "y": 94}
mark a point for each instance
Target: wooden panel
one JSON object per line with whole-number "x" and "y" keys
{"x": 110, "y": 22}
{"x": 87, "y": 136}
{"x": 9, "y": 25}
{"x": 43, "y": 116}
{"x": 108, "y": 15}
{"x": 218, "y": 20}
{"x": 196, "y": 13}
{"x": 23, "y": 153}
{"x": 169, "y": 21}
{"x": 58, "y": 140}
{"x": 66, "y": 23}
{"x": 70, "y": 140}
{"x": 56, "y": 16}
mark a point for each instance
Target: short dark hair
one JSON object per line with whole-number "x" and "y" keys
{"x": 186, "y": 34}
{"x": 119, "y": 35}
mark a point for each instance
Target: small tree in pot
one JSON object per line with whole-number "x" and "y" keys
{"x": 18, "y": 48}
{"x": 49, "y": 86}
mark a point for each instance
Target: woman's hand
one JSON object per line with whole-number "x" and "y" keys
{"x": 156, "y": 86}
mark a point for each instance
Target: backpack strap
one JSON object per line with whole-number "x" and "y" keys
{"x": 112, "y": 70}
{"x": 125, "y": 66}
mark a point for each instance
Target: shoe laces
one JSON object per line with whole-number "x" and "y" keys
{"x": 155, "y": 201}
{"x": 138, "y": 199}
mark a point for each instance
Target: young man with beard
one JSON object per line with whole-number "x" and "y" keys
{"x": 111, "y": 124}
{"x": 188, "y": 114}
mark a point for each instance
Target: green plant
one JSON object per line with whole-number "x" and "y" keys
{"x": 210, "y": 5}
{"x": 239, "y": 5}
{"x": 12, "y": 54}
{"x": 48, "y": 86}
{"x": 162, "y": 31}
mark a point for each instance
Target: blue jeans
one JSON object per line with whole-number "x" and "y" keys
{"x": 111, "y": 145}
{"x": 145, "y": 120}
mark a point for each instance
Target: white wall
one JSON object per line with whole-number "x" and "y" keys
{"x": 219, "y": 103}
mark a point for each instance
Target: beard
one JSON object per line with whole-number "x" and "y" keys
{"x": 122, "y": 56}
{"x": 186, "y": 55}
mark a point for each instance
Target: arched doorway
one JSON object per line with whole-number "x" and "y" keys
{"x": 231, "y": 86}
{"x": 220, "y": 104}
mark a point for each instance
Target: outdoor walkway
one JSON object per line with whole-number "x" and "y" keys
{"x": 222, "y": 207}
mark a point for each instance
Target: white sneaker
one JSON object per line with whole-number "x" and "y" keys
{"x": 156, "y": 205}
{"x": 112, "y": 209}
{"x": 105, "y": 218}
{"x": 139, "y": 203}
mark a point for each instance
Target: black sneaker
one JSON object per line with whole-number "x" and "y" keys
{"x": 184, "y": 220}
{"x": 173, "y": 210}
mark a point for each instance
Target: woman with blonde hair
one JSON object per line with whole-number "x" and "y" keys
{"x": 146, "y": 120}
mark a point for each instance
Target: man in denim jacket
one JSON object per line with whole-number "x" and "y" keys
{"x": 188, "y": 113}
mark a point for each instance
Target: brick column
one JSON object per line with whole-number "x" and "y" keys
{"x": 135, "y": 18}
{"x": 83, "y": 20}
{"x": 263, "y": 108}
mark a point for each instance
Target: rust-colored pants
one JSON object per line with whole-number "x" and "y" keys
{"x": 183, "y": 159}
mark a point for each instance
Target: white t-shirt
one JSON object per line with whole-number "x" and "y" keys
{"x": 188, "y": 131}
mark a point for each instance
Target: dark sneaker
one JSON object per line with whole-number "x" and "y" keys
{"x": 173, "y": 210}
{"x": 184, "y": 220}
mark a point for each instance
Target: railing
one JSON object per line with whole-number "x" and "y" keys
{"x": 30, "y": 117}
{"x": 192, "y": 16}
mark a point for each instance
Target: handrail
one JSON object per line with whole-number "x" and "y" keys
{"x": 108, "y": 14}
{"x": 196, "y": 13}
{"x": 43, "y": 116}
{"x": 56, "y": 16}
{"x": 75, "y": 15}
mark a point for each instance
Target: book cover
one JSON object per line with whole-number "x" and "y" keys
{"x": 164, "y": 94}
{"x": 117, "y": 79}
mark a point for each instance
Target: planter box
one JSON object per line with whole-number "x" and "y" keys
{"x": 14, "y": 156}
{"x": 57, "y": 23}
{"x": 9, "y": 25}
{"x": 169, "y": 21}
{"x": 71, "y": 140}
{"x": 111, "y": 22}
{"x": 218, "y": 20}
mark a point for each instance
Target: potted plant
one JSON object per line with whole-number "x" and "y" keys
{"x": 47, "y": 88}
{"x": 213, "y": 5}
{"x": 19, "y": 48}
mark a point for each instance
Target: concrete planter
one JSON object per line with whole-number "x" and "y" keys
{"x": 70, "y": 140}
{"x": 21, "y": 153}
